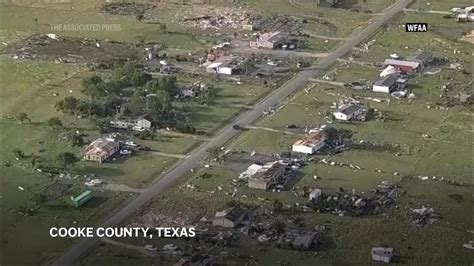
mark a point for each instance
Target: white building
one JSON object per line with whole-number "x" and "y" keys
{"x": 389, "y": 70}
{"x": 221, "y": 65}
{"x": 143, "y": 123}
{"x": 348, "y": 112}
{"x": 310, "y": 143}
{"x": 271, "y": 40}
{"x": 389, "y": 84}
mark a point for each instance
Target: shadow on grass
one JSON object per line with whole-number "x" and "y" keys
{"x": 100, "y": 171}
{"x": 94, "y": 202}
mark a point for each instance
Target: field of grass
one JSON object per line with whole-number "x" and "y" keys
{"x": 20, "y": 20}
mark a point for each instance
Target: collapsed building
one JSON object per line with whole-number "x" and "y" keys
{"x": 272, "y": 174}
{"x": 226, "y": 65}
{"x": 271, "y": 40}
{"x": 231, "y": 217}
{"x": 350, "y": 203}
{"x": 311, "y": 143}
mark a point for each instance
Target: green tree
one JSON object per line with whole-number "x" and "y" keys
{"x": 208, "y": 95}
{"x": 94, "y": 86}
{"x": 159, "y": 107}
{"x": 22, "y": 117}
{"x": 139, "y": 78}
{"x": 137, "y": 104}
{"x": 18, "y": 153}
{"x": 76, "y": 140}
{"x": 54, "y": 122}
{"x": 66, "y": 159}
{"x": 331, "y": 133}
{"x": 67, "y": 105}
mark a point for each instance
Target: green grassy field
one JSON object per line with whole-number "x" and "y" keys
{"x": 20, "y": 20}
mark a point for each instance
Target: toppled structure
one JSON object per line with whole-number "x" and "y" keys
{"x": 302, "y": 240}
{"x": 382, "y": 254}
{"x": 311, "y": 143}
{"x": 424, "y": 215}
{"x": 270, "y": 177}
{"x": 230, "y": 218}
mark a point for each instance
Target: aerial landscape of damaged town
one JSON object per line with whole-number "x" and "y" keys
{"x": 236, "y": 132}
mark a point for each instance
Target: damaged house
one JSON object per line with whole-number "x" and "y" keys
{"x": 348, "y": 112}
{"x": 230, "y": 218}
{"x": 226, "y": 65}
{"x": 424, "y": 58}
{"x": 389, "y": 84}
{"x": 270, "y": 176}
{"x": 311, "y": 143}
{"x": 101, "y": 149}
{"x": 404, "y": 66}
{"x": 271, "y": 40}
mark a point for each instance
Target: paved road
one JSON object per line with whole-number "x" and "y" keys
{"x": 227, "y": 133}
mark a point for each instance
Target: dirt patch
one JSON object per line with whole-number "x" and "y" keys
{"x": 71, "y": 50}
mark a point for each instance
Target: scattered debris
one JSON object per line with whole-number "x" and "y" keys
{"x": 424, "y": 215}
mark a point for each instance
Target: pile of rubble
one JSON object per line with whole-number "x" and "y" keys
{"x": 153, "y": 218}
{"x": 276, "y": 23}
{"x": 423, "y": 215}
{"x": 217, "y": 19}
{"x": 126, "y": 9}
{"x": 350, "y": 203}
